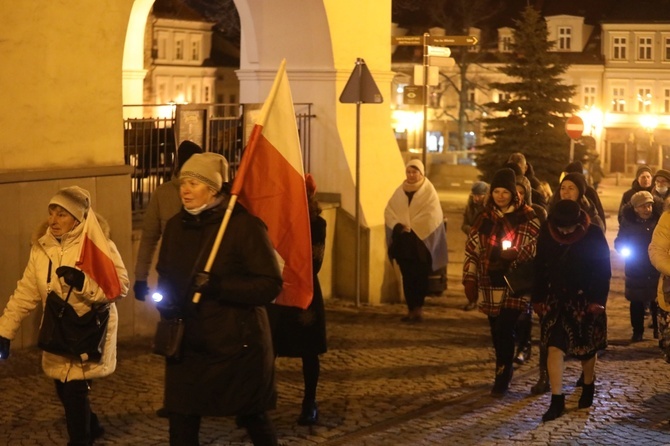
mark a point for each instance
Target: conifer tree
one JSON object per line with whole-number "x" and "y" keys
{"x": 534, "y": 104}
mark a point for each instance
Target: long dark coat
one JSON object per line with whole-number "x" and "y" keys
{"x": 228, "y": 361}
{"x": 635, "y": 234}
{"x": 570, "y": 274}
{"x": 298, "y": 332}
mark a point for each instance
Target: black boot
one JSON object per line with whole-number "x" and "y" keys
{"x": 580, "y": 381}
{"x": 542, "y": 385}
{"x": 556, "y": 408}
{"x": 309, "y": 415}
{"x": 586, "y": 400}
{"x": 502, "y": 381}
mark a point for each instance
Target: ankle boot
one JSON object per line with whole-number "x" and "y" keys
{"x": 556, "y": 408}
{"x": 542, "y": 384}
{"x": 586, "y": 400}
{"x": 309, "y": 415}
{"x": 502, "y": 381}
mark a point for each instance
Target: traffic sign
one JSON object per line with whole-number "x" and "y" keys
{"x": 574, "y": 127}
{"x": 434, "y": 40}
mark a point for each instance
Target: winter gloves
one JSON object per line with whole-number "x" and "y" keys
{"x": 72, "y": 276}
{"x": 140, "y": 289}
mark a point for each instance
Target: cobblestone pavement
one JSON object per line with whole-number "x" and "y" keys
{"x": 385, "y": 383}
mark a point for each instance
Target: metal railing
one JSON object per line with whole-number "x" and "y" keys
{"x": 150, "y": 143}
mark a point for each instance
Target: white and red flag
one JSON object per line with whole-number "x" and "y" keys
{"x": 95, "y": 259}
{"x": 270, "y": 183}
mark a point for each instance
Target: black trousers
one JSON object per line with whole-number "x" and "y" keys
{"x": 502, "y": 335}
{"x": 637, "y": 310}
{"x": 78, "y": 416}
{"x": 185, "y": 429}
{"x": 414, "y": 282}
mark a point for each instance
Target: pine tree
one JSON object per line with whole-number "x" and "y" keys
{"x": 530, "y": 117}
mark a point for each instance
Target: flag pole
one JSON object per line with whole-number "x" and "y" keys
{"x": 217, "y": 241}
{"x": 246, "y": 161}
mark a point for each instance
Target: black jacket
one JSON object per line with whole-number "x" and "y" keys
{"x": 228, "y": 361}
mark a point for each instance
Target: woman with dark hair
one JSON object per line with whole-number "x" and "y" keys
{"x": 503, "y": 236}
{"x": 572, "y": 277}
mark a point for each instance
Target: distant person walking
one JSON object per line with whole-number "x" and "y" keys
{"x": 163, "y": 205}
{"x": 639, "y": 219}
{"x": 416, "y": 236}
{"x": 642, "y": 181}
{"x": 596, "y": 172}
{"x": 503, "y": 236}
{"x": 572, "y": 279}
{"x": 474, "y": 207}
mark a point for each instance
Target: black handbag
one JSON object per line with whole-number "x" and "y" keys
{"x": 168, "y": 338}
{"x": 520, "y": 279}
{"x": 63, "y": 332}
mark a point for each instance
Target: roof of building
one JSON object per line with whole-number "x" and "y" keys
{"x": 177, "y": 10}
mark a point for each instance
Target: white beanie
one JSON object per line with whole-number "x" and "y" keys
{"x": 208, "y": 168}
{"x": 418, "y": 165}
{"x": 73, "y": 199}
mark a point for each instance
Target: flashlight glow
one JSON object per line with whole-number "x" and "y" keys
{"x": 506, "y": 244}
{"x": 157, "y": 297}
{"x": 625, "y": 252}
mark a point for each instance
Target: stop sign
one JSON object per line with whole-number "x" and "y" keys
{"x": 574, "y": 127}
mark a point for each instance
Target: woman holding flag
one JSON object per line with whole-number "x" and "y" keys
{"x": 73, "y": 244}
{"x": 227, "y": 362}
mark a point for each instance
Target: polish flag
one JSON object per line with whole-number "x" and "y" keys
{"x": 270, "y": 183}
{"x": 95, "y": 259}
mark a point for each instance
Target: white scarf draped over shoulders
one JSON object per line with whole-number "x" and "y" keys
{"x": 423, "y": 216}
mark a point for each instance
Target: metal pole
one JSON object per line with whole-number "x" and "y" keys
{"x": 572, "y": 149}
{"x": 425, "y": 98}
{"x": 358, "y": 201}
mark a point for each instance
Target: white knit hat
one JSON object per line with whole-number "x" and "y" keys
{"x": 208, "y": 168}
{"x": 418, "y": 165}
{"x": 73, "y": 199}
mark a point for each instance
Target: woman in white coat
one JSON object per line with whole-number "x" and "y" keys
{"x": 54, "y": 253}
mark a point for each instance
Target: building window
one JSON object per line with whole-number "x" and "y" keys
{"x": 666, "y": 100}
{"x": 644, "y": 48}
{"x": 564, "y": 38}
{"x": 161, "y": 46}
{"x": 618, "y": 99}
{"x": 644, "y": 100}
{"x": 179, "y": 49}
{"x": 206, "y": 91}
{"x": 666, "y": 47}
{"x": 195, "y": 50}
{"x": 619, "y": 48}
{"x": 502, "y": 97}
{"x": 589, "y": 96}
{"x": 506, "y": 44}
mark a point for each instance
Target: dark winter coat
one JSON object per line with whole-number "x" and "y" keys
{"x": 297, "y": 332}
{"x": 625, "y": 198}
{"x": 228, "y": 361}
{"x": 572, "y": 272}
{"x": 635, "y": 234}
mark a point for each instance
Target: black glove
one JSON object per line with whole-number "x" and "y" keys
{"x": 206, "y": 283}
{"x": 4, "y": 348}
{"x": 141, "y": 289}
{"x": 72, "y": 276}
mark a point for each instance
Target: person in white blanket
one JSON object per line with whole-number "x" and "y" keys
{"x": 416, "y": 236}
